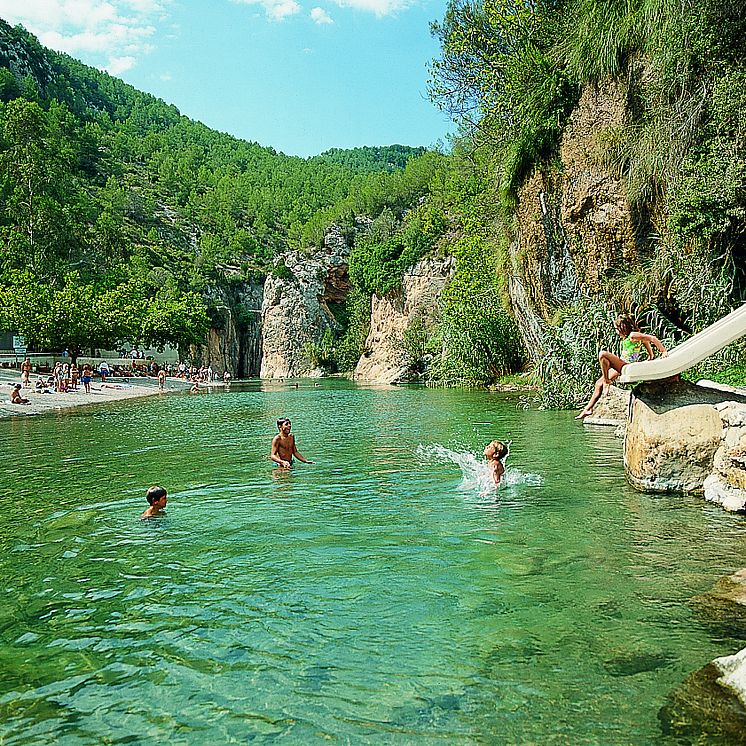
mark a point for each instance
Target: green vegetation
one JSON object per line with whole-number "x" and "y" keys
{"x": 511, "y": 72}
{"x": 113, "y": 201}
{"x": 108, "y": 192}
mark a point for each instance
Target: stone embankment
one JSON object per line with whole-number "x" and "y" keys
{"x": 683, "y": 437}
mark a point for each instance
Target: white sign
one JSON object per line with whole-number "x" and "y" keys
{"x": 19, "y": 344}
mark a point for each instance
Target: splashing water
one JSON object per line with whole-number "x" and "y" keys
{"x": 476, "y": 473}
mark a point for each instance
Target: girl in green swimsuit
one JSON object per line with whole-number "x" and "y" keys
{"x": 611, "y": 365}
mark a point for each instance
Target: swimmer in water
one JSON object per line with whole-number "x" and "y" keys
{"x": 496, "y": 452}
{"x": 157, "y": 498}
{"x": 284, "y": 447}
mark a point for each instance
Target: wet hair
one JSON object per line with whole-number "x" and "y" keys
{"x": 625, "y": 325}
{"x": 282, "y": 420}
{"x": 499, "y": 449}
{"x": 154, "y": 494}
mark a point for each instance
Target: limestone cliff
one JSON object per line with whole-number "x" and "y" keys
{"x": 384, "y": 360}
{"x": 295, "y": 310}
{"x": 574, "y": 223}
{"x": 234, "y": 342}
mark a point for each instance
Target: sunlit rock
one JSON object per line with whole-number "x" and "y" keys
{"x": 385, "y": 359}
{"x": 611, "y": 408}
{"x": 726, "y": 485}
{"x": 673, "y": 434}
{"x": 575, "y": 225}
{"x": 295, "y": 311}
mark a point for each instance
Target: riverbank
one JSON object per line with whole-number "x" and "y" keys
{"x": 113, "y": 390}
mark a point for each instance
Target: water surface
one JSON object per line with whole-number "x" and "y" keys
{"x": 380, "y": 595}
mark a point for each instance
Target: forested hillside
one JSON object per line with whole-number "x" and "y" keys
{"x": 117, "y": 211}
{"x": 599, "y": 168}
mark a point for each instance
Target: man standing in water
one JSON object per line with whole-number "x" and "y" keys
{"x": 283, "y": 446}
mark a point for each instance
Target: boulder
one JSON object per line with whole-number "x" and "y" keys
{"x": 707, "y": 707}
{"x": 673, "y": 433}
{"x": 712, "y": 701}
{"x": 726, "y": 484}
{"x": 611, "y": 409}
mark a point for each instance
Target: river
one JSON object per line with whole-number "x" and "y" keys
{"x": 383, "y": 594}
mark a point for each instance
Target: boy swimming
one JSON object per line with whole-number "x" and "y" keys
{"x": 157, "y": 498}
{"x": 496, "y": 452}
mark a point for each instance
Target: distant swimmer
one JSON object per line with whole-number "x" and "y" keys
{"x": 284, "y": 447}
{"x": 157, "y": 498}
{"x": 496, "y": 452}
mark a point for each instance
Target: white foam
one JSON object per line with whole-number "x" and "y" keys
{"x": 476, "y": 474}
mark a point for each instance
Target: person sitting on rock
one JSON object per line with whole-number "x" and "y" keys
{"x": 611, "y": 365}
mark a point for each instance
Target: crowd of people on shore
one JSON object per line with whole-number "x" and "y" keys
{"x": 66, "y": 377}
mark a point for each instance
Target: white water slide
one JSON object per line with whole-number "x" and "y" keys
{"x": 689, "y": 353}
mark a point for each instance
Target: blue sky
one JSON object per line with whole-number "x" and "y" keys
{"x": 300, "y": 76}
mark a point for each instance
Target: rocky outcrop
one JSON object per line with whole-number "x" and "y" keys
{"x": 726, "y": 484}
{"x": 611, "y": 409}
{"x": 673, "y": 433}
{"x": 712, "y": 700}
{"x": 575, "y": 224}
{"x": 385, "y": 360}
{"x": 234, "y": 342}
{"x": 295, "y": 311}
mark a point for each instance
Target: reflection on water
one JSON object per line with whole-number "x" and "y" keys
{"x": 376, "y": 595}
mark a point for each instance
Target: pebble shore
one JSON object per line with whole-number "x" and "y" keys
{"x": 40, "y": 403}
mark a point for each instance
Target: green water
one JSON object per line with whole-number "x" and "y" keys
{"x": 375, "y": 596}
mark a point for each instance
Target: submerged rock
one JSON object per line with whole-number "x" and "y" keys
{"x": 705, "y": 708}
{"x": 725, "y": 605}
{"x": 632, "y": 662}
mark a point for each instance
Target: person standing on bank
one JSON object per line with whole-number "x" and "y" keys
{"x": 26, "y": 372}
{"x": 633, "y": 340}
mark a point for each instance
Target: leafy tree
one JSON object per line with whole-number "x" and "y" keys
{"x": 76, "y": 315}
{"x": 174, "y": 318}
